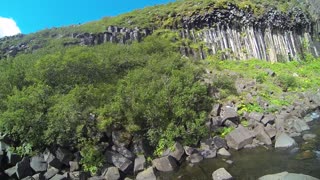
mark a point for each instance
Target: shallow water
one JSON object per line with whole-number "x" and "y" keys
{"x": 254, "y": 163}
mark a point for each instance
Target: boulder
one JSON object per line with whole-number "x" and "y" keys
{"x": 221, "y": 174}
{"x": 268, "y": 119}
{"x": 124, "y": 151}
{"x": 64, "y": 156}
{"x": 223, "y": 152}
{"x": 165, "y": 164}
{"x": 50, "y": 173}
{"x": 121, "y": 138}
{"x": 23, "y": 168}
{"x": 74, "y": 166}
{"x": 177, "y": 152}
{"x": 219, "y": 142}
{"x": 284, "y": 141}
{"x": 300, "y": 125}
{"x": 239, "y": 137}
{"x": 139, "y": 164}
{"x": 52, "y": 160}
{"x": 270, "y": 130}
{"x": 195, "y": 158}
{"x": 121, "y": 162}
{"x": 38, "y": 164}
{"x": 261, "y": 135}
{"x": 147, "y": 174}
{"x": 229, "y": 113}
{"x": 189, "y": 150}
{"x": 208, "y": 153}
{"x": 256, "y": 116}
{"x": 58, "y": 177}
{"x": 287, "y": 176}
{"x": 112, "y": 173}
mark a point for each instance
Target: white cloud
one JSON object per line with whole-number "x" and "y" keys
{"x": 8, "y": 27}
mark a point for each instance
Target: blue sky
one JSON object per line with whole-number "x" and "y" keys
{"x": 34, "y": 15}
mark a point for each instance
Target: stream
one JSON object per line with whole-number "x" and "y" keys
{"x": 253, "y": 163}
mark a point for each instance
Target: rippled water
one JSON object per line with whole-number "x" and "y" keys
{"x": 254, "y": 163}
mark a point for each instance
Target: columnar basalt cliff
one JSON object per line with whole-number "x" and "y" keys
{"x": 238, "y": 34}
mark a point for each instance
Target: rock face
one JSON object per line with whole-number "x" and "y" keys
{"x": 284, "y": 141}
{"x": 287, "y": 176}
{"x": 239, "y": 137}
{"x": 165, "y": 164}
{"x": 221, "y": 174}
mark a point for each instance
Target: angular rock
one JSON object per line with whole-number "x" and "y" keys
{"x": 209, "y": 153}
{"x": 38, "y": 164}
{"x": 270, "y": 130}
{"x": 229, "y": 113}
{"x": 28, "y": 178}
{"x": 139, "y": 163}
{"x": 121, "y": 162}
{"x": 50, "y": 173}
{"x": 147, "y": 174}
{"x": 221, "y": 174}
{"x": 165, "y": 164}
{"x": 284, "y": 141}
{"x": 13, "y": 158}
{"x": 229, "y": 123}
{"x": 124, "y": 151}
{"x": 195, "y": 158}
{"x": 268, "y": 119}
{"x": 287, "y": 176}
{"x": 177, "y": 152}
{"x": 74, "y": 166}
{"x": 215, "y": 110}
{"x": 11, "y": 171}
{"x": 4, "y": 146}
{"x": 64, "y": 156}
{"x": 256, "y": 116}
{"x": 38, "y": 176}
{"x": 218, "y": 142}
{"x": 52, "y": 160}
{"x": 189, "y": 150}
{"x": 97, "y": 178}
{"x": 112, "y": 173}
{"x": 300, "y": 125}
{"x": 23, "y": 168}
{"x": 261, "y": 135}
{"x": 223, "y": 152}
{"x": 239, "y": 137}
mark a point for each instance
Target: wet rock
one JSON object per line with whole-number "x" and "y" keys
{"x": 284, "y": 141}
{"x": 239, "y": 137}
{"x": 38, "y": 164}
{"x": 124, "y": 151}
{"x": 221, "y": 174}
{"x": 195, "y": 158}
{"x": 147, "y": 174}
{"x": 139, "y": 163}
{"x": 23, "y": 168}
{"x": 112, "y": 173}
{"x": 165, "y": 164}
{"x": 307, "y": 137}
{"x": 286, "y": 176}
{"x": 223, "y": 152}
{"x": 64, "y": 156}
{"x": 50, "y": 173}
{"x": 208, "y": 153}
{"x": 300, "y": 125}
{"x": 121, "y": 162}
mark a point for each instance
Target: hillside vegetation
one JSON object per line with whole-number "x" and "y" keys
{"x": 73, "y": 96}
